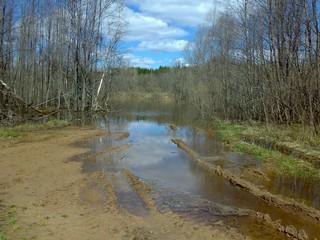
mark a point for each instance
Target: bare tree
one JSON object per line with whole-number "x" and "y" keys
{"x": 52, "y": 52}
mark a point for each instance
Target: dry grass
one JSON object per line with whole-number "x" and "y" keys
{"x": 22, "y": 130}
{"x": 283, "y": 149}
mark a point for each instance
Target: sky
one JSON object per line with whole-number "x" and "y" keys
{"x": 158, "y": 30}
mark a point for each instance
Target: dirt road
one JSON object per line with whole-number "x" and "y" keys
{"x": 44, "y": 195}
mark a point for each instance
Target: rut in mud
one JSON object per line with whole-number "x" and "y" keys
{"x": 198, "y": 178}
{"x": 288, "y": 204}
{"x": 134, "y": 182}
{"x": 45, "y": 196}
{"x": 124, "y": 192}
{"x": 159, "y": 187}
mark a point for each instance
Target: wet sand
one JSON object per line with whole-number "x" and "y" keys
{"x": 51, "y": 198}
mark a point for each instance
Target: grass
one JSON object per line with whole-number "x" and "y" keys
{"x": 232, "y": 137}
{"x": 8, "y": 219}
{"x": 47, "y": 125}
{"x": 2, "y": 236}
{"x": 294, "y": 133}
{"x": 9, "y": 222}
{"x": 9, "y": 133}
{"x": 21, "y": 130}
{"x": 57, "y": 123}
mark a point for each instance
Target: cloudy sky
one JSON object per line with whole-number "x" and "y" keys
{"x": 158, "y": 30}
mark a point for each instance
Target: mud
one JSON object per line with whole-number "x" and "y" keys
{"x": 142, "y": 189}
{"x": 255, "y": 175}
{"x": 122, "y": 136}
{"x": 173, "y": 127}
{"x": 289, "y": 231}
{"x": 289, "y": 205}
{"x": 54, "y": 199}
{"x": 119, "y": 198}
{"x": 185, "y": 147}
{"x": 96, "y": 188}
{"x": 198, "y": 208}
{"x": 116, "y": 149}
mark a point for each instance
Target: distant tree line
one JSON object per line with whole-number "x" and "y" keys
{"x": 143, "y": 80}
{"x": 256, "y": 62}
{"x": 58, "y": 52}
{"x": 144, "y": 71}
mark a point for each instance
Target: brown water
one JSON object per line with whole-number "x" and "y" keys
{"x": 185, "y": 187}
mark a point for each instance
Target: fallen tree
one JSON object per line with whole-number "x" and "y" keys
{"x": 12, "y": 106}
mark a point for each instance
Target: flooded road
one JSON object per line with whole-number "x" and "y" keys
{"x": 178, "y": 183}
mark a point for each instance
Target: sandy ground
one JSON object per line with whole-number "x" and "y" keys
{"x": 43, "y": 195}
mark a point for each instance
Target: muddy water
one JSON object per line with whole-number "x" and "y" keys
{"x": 302, "y": 190}
{"x": 155, "y": 159}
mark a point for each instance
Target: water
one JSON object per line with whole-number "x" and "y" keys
{"x": 154, "y": 158}
{"x": 303, "y": 190}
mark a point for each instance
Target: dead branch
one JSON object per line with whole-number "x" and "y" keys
{"x": 16, "y": 96}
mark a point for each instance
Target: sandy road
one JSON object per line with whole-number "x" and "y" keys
{"x": 43, "y": 195}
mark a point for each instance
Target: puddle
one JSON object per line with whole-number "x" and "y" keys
{"x": 303, "y": 190}
{"x": 200, "y": 210}
{"x": 154, "y": 158}
{"x": 94, "y": 193}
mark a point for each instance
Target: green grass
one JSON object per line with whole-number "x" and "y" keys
{"x": 47, "y": 125}
{"x": 9, "y": 133}
{"x": 57, "y": 123}
{"x": 21, "y": 130}
{"x": 2, "y": 236}
{"x": 9, "y": 222}
{"x": 230, "y": 134}
{"x": 274, "y": 160}
{"x": 7, "y": 218}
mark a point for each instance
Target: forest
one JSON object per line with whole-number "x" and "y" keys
{"x": 57, "y": 53}
{"x": 258, "y": 61}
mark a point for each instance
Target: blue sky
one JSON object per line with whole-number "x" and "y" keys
{"x": 158, "y": 30}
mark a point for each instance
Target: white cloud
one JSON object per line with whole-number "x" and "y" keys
{"x": 162, "y": 46}
{"x": 179, "y": 62}
{"x": 162, "y": 26}
{"x": 146, "y": 28}
{"x": 136, "y": 61}
{"x": 180, "y": 12}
